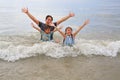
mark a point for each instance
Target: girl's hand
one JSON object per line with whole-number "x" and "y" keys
{"x": 32, "y": 24}
{"x": 87, "y": 22}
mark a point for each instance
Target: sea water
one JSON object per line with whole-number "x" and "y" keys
{"x": 100, "y": 37}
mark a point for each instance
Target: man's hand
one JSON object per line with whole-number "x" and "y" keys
{"x": 32, "y": 24}
{"x": 25, "y": 10}
{"x": 71, "y": 14}
{"x": 61, "y": 27}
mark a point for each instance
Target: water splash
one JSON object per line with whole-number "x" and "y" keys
{"x": 17, "y": 47}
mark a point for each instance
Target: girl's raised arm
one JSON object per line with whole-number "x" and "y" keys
{"x": 80, "y": 27}
{"x": 37, "y": 28}
{"x": 62, "y": 33}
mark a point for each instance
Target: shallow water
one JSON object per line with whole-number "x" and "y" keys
{"x": 69, "y": 68}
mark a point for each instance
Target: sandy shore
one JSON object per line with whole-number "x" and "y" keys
{"x": 47, "y": 68}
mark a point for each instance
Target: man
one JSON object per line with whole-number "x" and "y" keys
{"x": 48, "y": 21}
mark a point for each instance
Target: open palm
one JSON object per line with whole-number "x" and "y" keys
{"x": 25, "y": 10}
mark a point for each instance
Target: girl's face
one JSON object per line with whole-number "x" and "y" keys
{"x": 47, "y": 31}
{"x": 68, "y": 31}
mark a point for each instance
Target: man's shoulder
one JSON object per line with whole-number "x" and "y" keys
{"x": 55, "y": 23}
{"x": 41, "y": 24}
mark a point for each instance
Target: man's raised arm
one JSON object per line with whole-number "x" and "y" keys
{"x": 25, "y": 10}
{"x": 65, "y": 18}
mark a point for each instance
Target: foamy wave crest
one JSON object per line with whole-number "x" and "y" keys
{"x": 99, "y": 47}
{"x": 12, "y": 52}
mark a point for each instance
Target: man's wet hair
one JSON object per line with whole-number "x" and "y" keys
{"x": 50, "y": 17}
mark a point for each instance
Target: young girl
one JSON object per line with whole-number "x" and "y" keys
{"x": 69, "y": 36}
{"x": 46, "y": 34}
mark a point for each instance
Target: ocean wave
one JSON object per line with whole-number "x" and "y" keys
{"x": 15, "y": 48}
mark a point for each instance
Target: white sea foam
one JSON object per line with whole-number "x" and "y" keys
{"x": 12, "y": 48}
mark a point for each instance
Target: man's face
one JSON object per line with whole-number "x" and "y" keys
{"x": 48, "y": 20}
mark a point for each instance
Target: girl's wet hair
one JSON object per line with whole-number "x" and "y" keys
{"x": 49, "y": 16}
{"x": 68, "y": 28}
